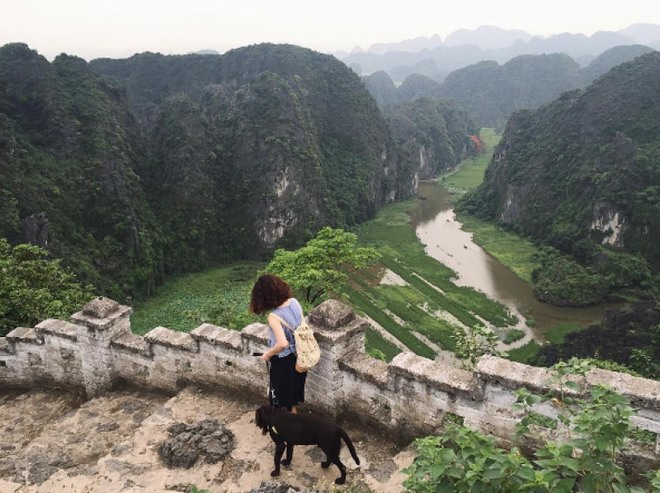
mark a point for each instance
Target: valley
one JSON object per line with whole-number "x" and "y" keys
{"x": 418, "y": 295}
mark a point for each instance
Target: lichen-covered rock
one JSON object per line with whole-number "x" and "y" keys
{"x": 207, "y": 440}
{"x": 274, "y": 487}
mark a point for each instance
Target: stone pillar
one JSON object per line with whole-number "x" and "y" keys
{"x": 99, "y": 322}
{"x": 339, "y": 333}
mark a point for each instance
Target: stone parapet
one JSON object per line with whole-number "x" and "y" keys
{"x": 162, "y": 336}
{"x": 58, "y": 328}
{"x": 436, "y": 375}
{"x": 103, "y": 316}
{"x": 132, "y": 343}
{"x": 218, "y": 336}
{"x": 642, "y": 392}
{"x": 24, "y": 335}
{"x": 409, "y": 396}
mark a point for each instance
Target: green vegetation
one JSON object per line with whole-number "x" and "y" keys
{"x": 473, "y": 343}
{"x": 513, "y": 335}
{"x": 490, "y": 93}
{"x": 510, "y": 249}
{"x": 524, "y": 354}
{"x": 217, "y": 296}
{"x": 368, "y": 306}
{"x": 440, "y": 128}
{"x": 33, "y": 288}
{"x": 594, "y": 431}
{"x": 135, "y": 170}
{"x": 321, "y": 266}
{"x": 379, "y": 347}
{"x": 571, "y": 189}
{"x": 558, "y": 332}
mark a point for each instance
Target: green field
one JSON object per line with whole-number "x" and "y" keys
{"x": 470, "y": 173}
{"x": 429, "y": 290}
{"x": 219, "y": 296}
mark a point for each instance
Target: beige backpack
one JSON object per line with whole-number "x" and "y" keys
{"x": 308, "y": 352}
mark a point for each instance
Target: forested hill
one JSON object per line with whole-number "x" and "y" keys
{"x": 267, "y": 142}
{"x": 131, "y": 169}
{"x": 490, "y": 93}
{"x": 69, "y": 148}
{"x": 609, "y": 59}
{"x": 585, "y": 168}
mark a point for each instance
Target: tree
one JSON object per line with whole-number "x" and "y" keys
{"x": 321, "y": 266}
{"x": 33, "y": 288}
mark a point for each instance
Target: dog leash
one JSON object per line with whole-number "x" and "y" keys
{"x": 272, "y": 400}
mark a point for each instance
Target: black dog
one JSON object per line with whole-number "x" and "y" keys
{"x": 288, "y": 429}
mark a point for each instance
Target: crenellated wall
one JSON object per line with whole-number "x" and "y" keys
{"x": 408, "y": 396}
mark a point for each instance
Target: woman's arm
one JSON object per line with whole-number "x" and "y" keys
{"x": 281, "y": 341}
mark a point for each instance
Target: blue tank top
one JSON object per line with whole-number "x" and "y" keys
{"x": 292, "y": 315}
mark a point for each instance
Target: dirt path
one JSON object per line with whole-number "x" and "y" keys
{"x": 53, "y": 442}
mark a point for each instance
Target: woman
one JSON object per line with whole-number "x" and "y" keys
{"x": 287, "y": 386}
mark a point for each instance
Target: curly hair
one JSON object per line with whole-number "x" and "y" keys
{"x": 268, "y": 292}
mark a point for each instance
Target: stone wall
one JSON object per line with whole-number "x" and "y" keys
{"x": 409, "y": 396}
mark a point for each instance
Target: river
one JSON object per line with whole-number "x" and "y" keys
{"x": 437, "y": 228}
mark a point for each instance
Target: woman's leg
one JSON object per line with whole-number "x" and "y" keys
{"x": 281, "y": 381}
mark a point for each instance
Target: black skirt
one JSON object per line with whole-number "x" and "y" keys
{"x": 287, "y": 386}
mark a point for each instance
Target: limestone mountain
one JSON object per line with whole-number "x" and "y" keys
{"x": 133, "y": 169}
{"x": 487, "y": 37}
{"x": 490, "y": 92}
{"x": 489, "y": 43}
{"x": 584, "y": 167}
{"x": 418, "y": 86}
{"x": 609, "y": 59}
{"x": 292, "y": 133}
{"x": 430, "y": 136}
{"x": 381, "y": 88}
{"x": 69, "y": 147}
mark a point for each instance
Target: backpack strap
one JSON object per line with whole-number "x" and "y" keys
{"x": 283, "y": 322}
{"x": 288, "y": 331}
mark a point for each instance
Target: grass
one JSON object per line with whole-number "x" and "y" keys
{"x": 513, "y": 335}
{"x": 525, "y": 353}
{"x": 362, "y": 301}
{"x": 376, "y": 342}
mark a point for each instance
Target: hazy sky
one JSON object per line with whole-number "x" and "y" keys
{"x": 119, "y": 28}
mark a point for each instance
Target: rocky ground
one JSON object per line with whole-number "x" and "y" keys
{"x": 53, "y": 441}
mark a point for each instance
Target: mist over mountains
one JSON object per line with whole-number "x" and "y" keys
{"x": 436, "y": 58}
{"x": 491, "y": 92}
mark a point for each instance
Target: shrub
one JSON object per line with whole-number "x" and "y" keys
{"x": 593, "y": 430}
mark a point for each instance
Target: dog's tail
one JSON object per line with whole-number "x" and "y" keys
{"x": 350, "y": 446}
